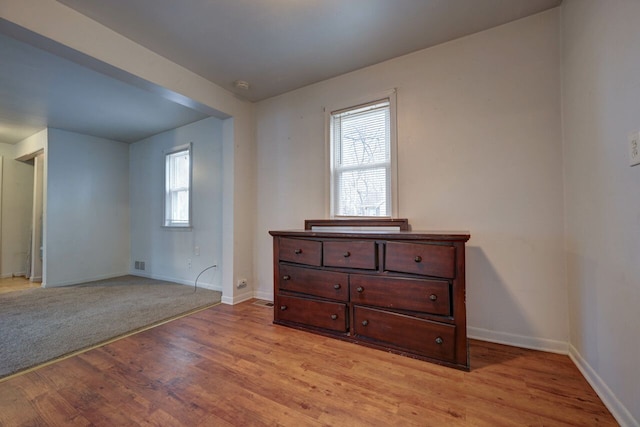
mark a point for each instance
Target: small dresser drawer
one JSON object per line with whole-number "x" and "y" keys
{"x": 417, "y": 258}
{"x": 428, "y": 296}
{"x": 415, "y": 335}
{"x": 321, "y": 314}
{"x": 300, "y": 251}
{"x": 350, "y": 254}
{"x": 322, "y": 283}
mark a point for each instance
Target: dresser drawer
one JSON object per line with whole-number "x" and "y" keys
{"x": 350, "y": 254}
{"x": 300, "y": 251}
{"x": 416, "y": 258}
{"x": 327, "y": 284}
{"x": 408, "y": 333}
{"x": 321, "y": 314}
{"x": 429, "y": 296}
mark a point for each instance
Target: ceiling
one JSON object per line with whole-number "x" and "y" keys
{"x": 281, "y": 45}
{"x": 39, "y": 90}
{"x": 275, "y": 45}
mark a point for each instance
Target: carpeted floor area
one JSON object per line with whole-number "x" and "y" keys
{"x": 39, "y": 325}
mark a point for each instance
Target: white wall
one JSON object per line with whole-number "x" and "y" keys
{"x": 479, "y": 149}
{"x": 239, "y": 211}
{"x": 87, "y": 209}
{"x": 166, "y": 251}
{"x": 601, "y": 105}
{"x": 17, "y": 201}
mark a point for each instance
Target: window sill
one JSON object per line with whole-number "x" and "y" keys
{"x": 178, "y": 227}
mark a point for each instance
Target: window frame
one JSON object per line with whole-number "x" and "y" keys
{"x": 167, "y": 222}
{"x": 330, "y": 186}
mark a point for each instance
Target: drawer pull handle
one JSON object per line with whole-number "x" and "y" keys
{"x": 439, "y": 340}
{"x": 337, "y": 286}
{"x": 365, "y": 322}
{"x": 418, "y": 258}
{"x": 346, "y": 254}
{"x": 334, "y": 316}
{"x": 297, "y": 251}
{"x": 360, "y": 289}
{"x": 433, "y": 297}
{"x": 286, "y": 277}
{"x": 283, "y": 307}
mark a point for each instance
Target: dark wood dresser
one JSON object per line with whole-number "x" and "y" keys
{"x": 400, "y": 291}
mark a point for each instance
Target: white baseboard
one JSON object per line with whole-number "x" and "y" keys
{"x": 83, "y": 280}
{"x": 617, "y": 409}
{"x": 523, "y": 341}
{"x": 237, "y": 299}
{"x": 204, "y": 285}
{"x": 267, "y": 296}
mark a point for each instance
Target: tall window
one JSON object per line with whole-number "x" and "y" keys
{"x": 177, "y": 201}
{"x": 361, "y": 160}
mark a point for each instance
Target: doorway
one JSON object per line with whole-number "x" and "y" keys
{"x": 21, "y": 202}
{"x": 16, "y": 195}
{"x": 37, "y": 245}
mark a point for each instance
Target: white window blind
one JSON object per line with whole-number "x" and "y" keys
{"x": 178, "y": 188}
{"x": 361, "y": 160}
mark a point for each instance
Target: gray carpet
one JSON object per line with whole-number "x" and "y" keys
{"x": 38, "y": 325}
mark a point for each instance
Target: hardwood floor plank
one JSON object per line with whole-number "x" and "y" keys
{"x": 230, "y": 366}
{"x": 16, "y": 409}
{"x": 19, "y": 283}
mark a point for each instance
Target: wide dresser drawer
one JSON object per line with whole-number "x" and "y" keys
{"x": 321, "y": 314}
{"x": 300, "y": 251}
{"x": 322, "y": 283}
{"x": 403, "y": 332}
{"x": 428, "y": 296}
{"x": 420, "y": 258}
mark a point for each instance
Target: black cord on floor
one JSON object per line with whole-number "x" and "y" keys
{"x": 195, "y": 284}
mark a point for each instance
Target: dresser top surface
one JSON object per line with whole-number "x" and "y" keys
{"x": 377, "y": 234}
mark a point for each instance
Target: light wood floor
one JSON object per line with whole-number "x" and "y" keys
{"x": 12, "y": 284}
{"x": 229, "y": 366}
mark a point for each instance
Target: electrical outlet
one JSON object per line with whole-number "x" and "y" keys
{"x": 634, "y": 148}
{"x": 196, "y": 251}
{"x": 189, "y": 263}
{"x": 242, "y": 283}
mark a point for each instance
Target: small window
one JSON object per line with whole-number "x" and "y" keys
{"x": 362, "y": 160}
{"x": 177, "y": 202}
